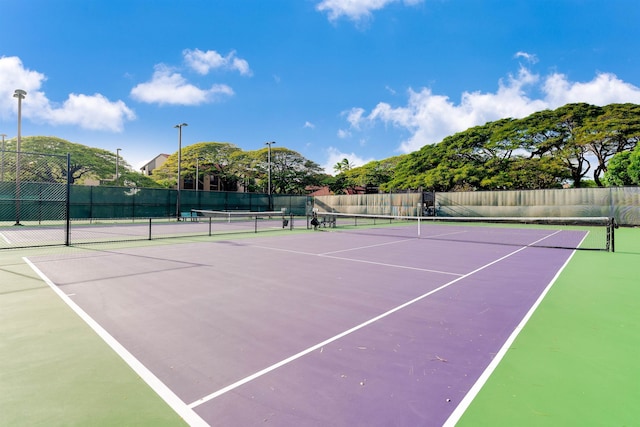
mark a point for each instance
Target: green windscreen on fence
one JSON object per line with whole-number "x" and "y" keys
{"x": 124, "y": 202}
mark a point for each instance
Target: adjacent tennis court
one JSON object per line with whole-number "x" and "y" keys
{"x": 316, "y": 327}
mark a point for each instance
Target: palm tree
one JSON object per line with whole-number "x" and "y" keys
{"x": 343, "y": 166}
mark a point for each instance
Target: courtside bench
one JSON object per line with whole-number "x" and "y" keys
{"x": 328, "y": 221}
{"x": 188, "y": 216}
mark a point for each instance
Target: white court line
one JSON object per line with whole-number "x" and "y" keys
{"x": 484, "y": 377}
{"x": 154, "y": 382}
{"x": 405, "y": 267}
{"x": 368, "y": 246}
{"x": 324, "y": 255}
{"x": 5, "y": 238}
{"x": 315, "y": 347}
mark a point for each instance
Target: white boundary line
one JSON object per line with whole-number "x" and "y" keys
{"x": 326, "y": 255}
{"x": 154, "y": 382}
{"x": 392, "y": 265}
{"x": 484, "y": 377}
{"x": 5, "y": 238}
{"x": 369, "y": 246}
{"x": 315, "y": 347}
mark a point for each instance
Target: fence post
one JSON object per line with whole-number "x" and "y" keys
{"x": 67, "y": 214}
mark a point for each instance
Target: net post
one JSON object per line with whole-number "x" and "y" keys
{"x": 612, "y": 234}
{"x": 256, "y": 222}
{"x": 419, "y": 228}
{"x": 149, "y": 228}
{"x": 210, "y": 226}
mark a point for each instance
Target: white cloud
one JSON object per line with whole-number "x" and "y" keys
{"x": 203, "y": 62}
{"x": 529, "y": 57}
{"x": 94, "y": 112}
{"x": 343, "y": 133}
{"x": 391, "y": 90}
{"x": 334, "y": 155}
{"x": 605, "y": 88}
{"x": 91, "y": 112}
{"x": 354, "y": 117}
{"x": 169, "y": 87}
{"x": 430, "y": 117}
{"x": 356, "y": 10}
{"x": 309, "y": 125}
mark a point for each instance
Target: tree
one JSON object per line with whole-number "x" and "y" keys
{"x": 374, "y": 173}
{"x": 214, "y": 158}
{"x": 86, "y": 162}
{"x": 617, "y": 173}
{"x": 291, "y": 172}
{"x": 343, "y": 166}
{"x": 634, "y": 166}
{"x": 615, "y": 130}
{"x": 557, "y": 134}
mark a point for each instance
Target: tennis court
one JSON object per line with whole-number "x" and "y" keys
{"x": 313, "y": 328}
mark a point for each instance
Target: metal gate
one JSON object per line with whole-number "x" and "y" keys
{"x": 34, "y": 199}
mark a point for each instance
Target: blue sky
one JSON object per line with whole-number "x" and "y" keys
{"x": 361, "y": 79}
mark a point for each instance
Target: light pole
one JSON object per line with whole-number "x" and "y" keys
{"x": 197, "y": 172}
{"x": 269, "y": 166}
{"x": 179, "y": 166}
{"x": 2, "y": 166}
{"x": 20, "y": 94}
{"x": 117, "y": 163}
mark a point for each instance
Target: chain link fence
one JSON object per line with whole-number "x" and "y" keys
{"x": 39, "y": 207}
{"x": 33, "y": 199}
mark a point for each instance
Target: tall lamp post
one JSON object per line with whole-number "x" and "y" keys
{"x": 2, "y": 165}
{"x": 20, "y": 94}
{"x": 269, "y": 166}
{"x": 179, "y": 127}
{"x": 197, "y": 172}
{"x": 269, "y": 170}
{"x": 117, "y": 163}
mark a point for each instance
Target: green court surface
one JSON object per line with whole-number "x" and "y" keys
{"x": 574, "y": 363}
{"x": 55, "y": 370}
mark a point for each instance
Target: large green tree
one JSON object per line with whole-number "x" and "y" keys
{"x": 86, "y": 163}
{"x": 213, "y": 158}
{"x": 291, "y": 173}
{"x": 634, "y": 166}
{"x": 624, "y": 168}
{"x": 544, "y": 150}
{"x": 617, "y": 173}
{"x": 615, "y": 130}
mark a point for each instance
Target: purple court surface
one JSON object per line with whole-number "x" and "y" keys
{"x": 313, "y": 329}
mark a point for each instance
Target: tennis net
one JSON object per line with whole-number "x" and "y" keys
{"x": 589, "y": 233}
{"x": 243, "y": 221}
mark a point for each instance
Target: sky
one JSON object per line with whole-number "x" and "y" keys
{"x": 331, "y": 79}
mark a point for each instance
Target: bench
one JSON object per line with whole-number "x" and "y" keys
{"x": 191, "y": 216}
{"x": 328, "y": 220}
